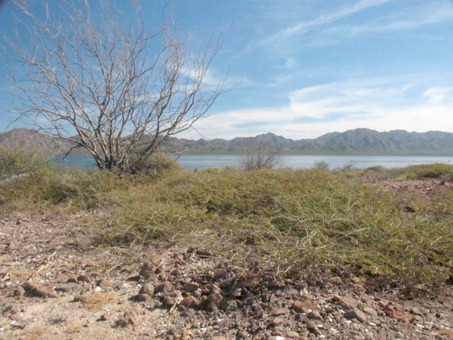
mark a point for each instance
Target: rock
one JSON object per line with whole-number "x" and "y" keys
{"x": 212, "y": 288}
{"x": 276, "y": 338}
{"x": 147, "y": 270}
{"x": 33, "y": 289}
{"x": 213, "y": 301}
{"x": 126, "y": 320}
{"x": 303, "y": 306}
{"x": 280, "y": 311}
{"x": 448, "y": 333}
{"x": 293, "y": 335}
{"x": 147, "y": 288}
{"x": 188, "y": 313}
{"x": 190, "y": 302}
{"x": 392, "y": 312}
{"x": 103, "y": 317}
{"x": 370, "y": 311}
{"x": 163, "y": 287}
{"x": 191, "y": 287}
{"x": 67, "y": 287}
{"x": 218, "y": 338}
{"x": 311, "y": 327}
{"x": 169, "y": 300}
{"x": 88, "y": 263}
{"x": 355, "y": 313}
{"x": 144, "y": 297}
{"x": 19, "y": 291}
{"x": 416, "y": 311}
{"x": 105, "y": 283}
{"x": 346, "y": 301}
{"x": 277, "y": 321}
{"x": 84, "y": 278}
{"x": 314, "y": 315}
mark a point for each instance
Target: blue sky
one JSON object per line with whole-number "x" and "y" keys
{"x": 304, "y": 68}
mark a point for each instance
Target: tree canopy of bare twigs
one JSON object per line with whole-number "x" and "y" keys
{"x": 261, "y": 156}
{"x": 109, "y": 85}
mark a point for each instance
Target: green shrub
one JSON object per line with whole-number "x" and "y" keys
{"x": 18, "y": 162}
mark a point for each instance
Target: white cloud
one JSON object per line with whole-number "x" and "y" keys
{"x": 340, "y": 106}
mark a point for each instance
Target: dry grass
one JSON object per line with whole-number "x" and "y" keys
{"x": 97, "y": 300}
{"x": 297, "y": 221}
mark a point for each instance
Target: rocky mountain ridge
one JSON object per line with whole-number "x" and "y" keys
{"x": 351, "y": 142}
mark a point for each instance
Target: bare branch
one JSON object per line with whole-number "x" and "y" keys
{"x": 109, "y": 88}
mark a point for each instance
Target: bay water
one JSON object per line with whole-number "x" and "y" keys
{"x": 194, "y": 162}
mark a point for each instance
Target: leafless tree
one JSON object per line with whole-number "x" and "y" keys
{"x": 260, "y": 156}
{"x": 110, "y": 85}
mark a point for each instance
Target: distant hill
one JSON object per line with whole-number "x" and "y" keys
{"x": 352, "y": 142}
{"x": 26, "y": 139}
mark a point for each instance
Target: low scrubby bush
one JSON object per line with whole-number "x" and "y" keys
{"x": 17, "y": 162}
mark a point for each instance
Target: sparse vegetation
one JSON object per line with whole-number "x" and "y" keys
{"x": 17, "y": 162}
{"x": 301, "y": 221}
{"x": 260, "y": 156}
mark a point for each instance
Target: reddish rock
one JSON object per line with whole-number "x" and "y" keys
{"x": 346, "y": 301}
{"x": 355, "y": 313}
{"x": 303, "y": 306}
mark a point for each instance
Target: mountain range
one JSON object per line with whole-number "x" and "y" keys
{"x": 351, "y": 142}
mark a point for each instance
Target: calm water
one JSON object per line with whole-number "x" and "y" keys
{"x": 220, "y": 161}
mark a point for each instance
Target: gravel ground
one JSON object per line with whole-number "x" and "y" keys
{"x": 55, "y": 285}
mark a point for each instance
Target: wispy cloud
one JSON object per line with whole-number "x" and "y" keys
{"x": 324, "y": 19}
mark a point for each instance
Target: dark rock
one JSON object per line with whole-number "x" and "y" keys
{"x": 144, "y": 297}
{"x": 169, "y": 300}
{"x": 103, "y": 317}
{"x": 147, "y": 270}
{"x": 147, "y": 288}
{"x": 311, "y": 327}
{"x": 213, "y": 301}
{"x": 191, "y": 287}
{"x": 188, "y": 313}
{"x": 35, "y": 290}
{"x": 84, "y": 278}
{"x": 163, "y": 287}
{"x": 190, "y": 302}
{"x": 19, "y": 291}
{"x": 127, "y": 319}
{"x": 314, "y": 315}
